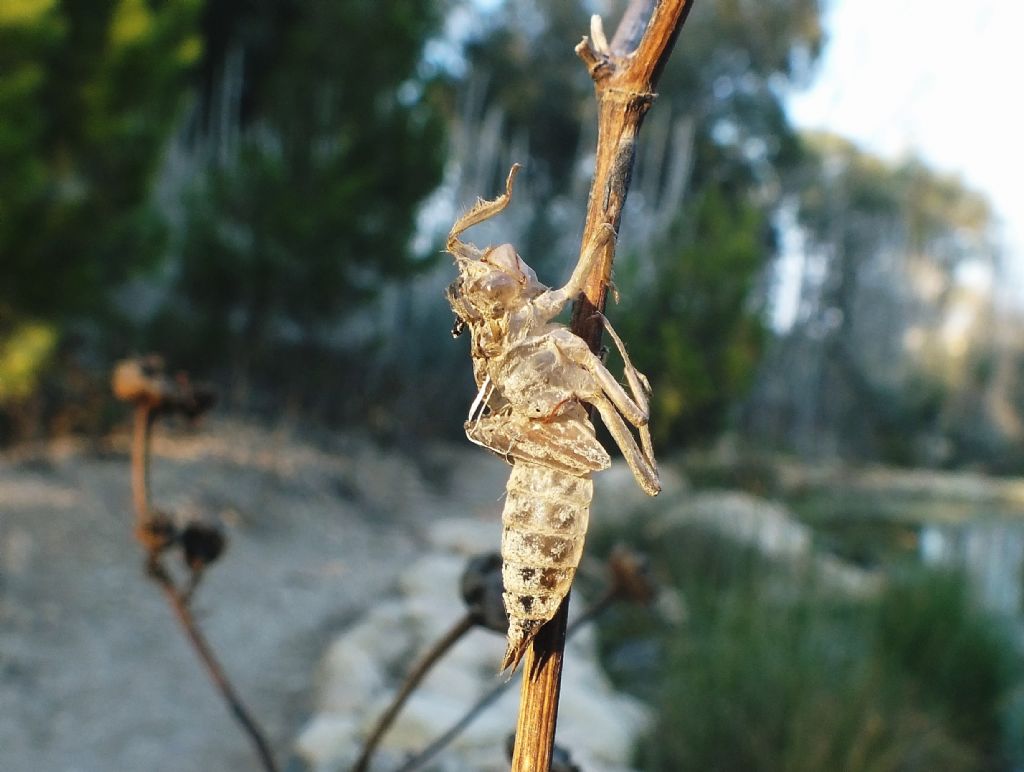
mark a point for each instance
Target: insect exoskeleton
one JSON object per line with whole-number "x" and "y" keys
{"x": 533, "y": 376}
{"x": 544, "y": 524}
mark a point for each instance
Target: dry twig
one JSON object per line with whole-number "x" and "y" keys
{"x": 630, "y": 581}
{"x": 625, "y": 73}
{"x": 419, "y": 671}
{"x": 481, "y": 592}
{"x": 142, "y": 382}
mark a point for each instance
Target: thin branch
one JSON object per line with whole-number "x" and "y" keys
{"x": 143, "y": 425}
{"x": 419, "y": 671}
{"x": 624, "y": 84}
{"x": 218, "y": 677}
{"x": 491, "y": 696}
{"x": 651, "y": 55}
{"x": 142, "y": 383}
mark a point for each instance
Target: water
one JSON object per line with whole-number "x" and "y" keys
{"x": 990, "y": 551}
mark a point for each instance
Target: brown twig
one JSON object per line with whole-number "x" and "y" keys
{"x": 142, "y": 382}
{"x": 488, "y": 698}
{"x": 625, "y": 74}
{"x": 143, "y": 425}
{"x": 419, "y": 671}
{"x": 629, "y": 580}
{"x": 183, "y": 613}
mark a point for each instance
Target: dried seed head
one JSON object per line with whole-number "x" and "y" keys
{"x": 157, "y": 533}
{"x": 201, "y": 544}
{"x": 481, "y": 588}
{"x": 631, "y": 575}
{"x": 141, "y": 380}
{"x": 191, "y": 399}
{"x": 144, "y": 381}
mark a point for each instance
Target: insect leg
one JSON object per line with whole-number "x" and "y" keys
{"x": 481, "y": 398}
{"x": 638, "y": 385}
{"x": 550, "y": 304}
{"x": 576, "y": 351}
{"x": 641, "y": 461}
{"x": 605, "y": 235}
{"x": 638, "y": 382}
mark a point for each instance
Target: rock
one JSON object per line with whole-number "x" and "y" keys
{"x": 749, "y": 520}
{"x": 327, "y": 736}
{"x": 364, "y": 666}
{"x": 617, "y": 495}
{"x": 772, "y": 530}
{"x": 462, "y": 536}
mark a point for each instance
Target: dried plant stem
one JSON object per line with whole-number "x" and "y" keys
{"x": 218, "y": 677}
{"x": 625, "y": 75}
{"x": 143, "y": 426}
{"x": 491, "y": 696}
{"x": 419, "y": 671}
{"x": 538, "y": 700}
{"x": 176, "y": 598}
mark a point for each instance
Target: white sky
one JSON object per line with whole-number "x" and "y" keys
{"x": 943, "y": 80}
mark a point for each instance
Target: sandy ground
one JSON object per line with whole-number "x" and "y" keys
{"x": 94, "y": 673}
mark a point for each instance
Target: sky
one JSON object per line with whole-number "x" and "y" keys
{"x": 941, "y": 80}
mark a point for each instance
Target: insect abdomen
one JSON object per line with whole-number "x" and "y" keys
{"x": 545, "y": 522}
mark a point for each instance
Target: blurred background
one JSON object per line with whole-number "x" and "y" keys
{"x": 821, "y": 270}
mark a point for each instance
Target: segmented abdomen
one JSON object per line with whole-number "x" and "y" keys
{"x": 545, "y": 522}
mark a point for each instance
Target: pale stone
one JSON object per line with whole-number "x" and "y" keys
{"x": 361, "y": 671}
{"x": 327, "y": 739}
{"x": 747, "y": 519}
{"x": 466, "y": 537}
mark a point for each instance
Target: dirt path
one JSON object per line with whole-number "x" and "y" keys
{"x": 94, "y": 674}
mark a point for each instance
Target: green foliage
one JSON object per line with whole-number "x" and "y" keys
{"x": 25, "y": 350}
{"x": 88, "y": 95}
{"x": 88, "y": 91}
{"x": 726, "y": 71}
{"x": 529, "y": 58}
{"x": 690, "y": 320}
{"x": 769, "y": 672}
{"x": 952, "y": 655}
{"x": 893, "y": 237}
{"x": 854, "y": 200}
{"x": 780, "y": 689}
{"x": 341, "y": 137}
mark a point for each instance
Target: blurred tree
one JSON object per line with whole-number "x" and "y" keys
{"x": 321, "y": 132}
{"x": 888, "y": 341}
{"x": 694, "y": 319}
{"x": 88, "y": 95}
{"x": 693, "y": 280}
{"x": 88, "y": 91}
{"x": 726, "y": 80}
